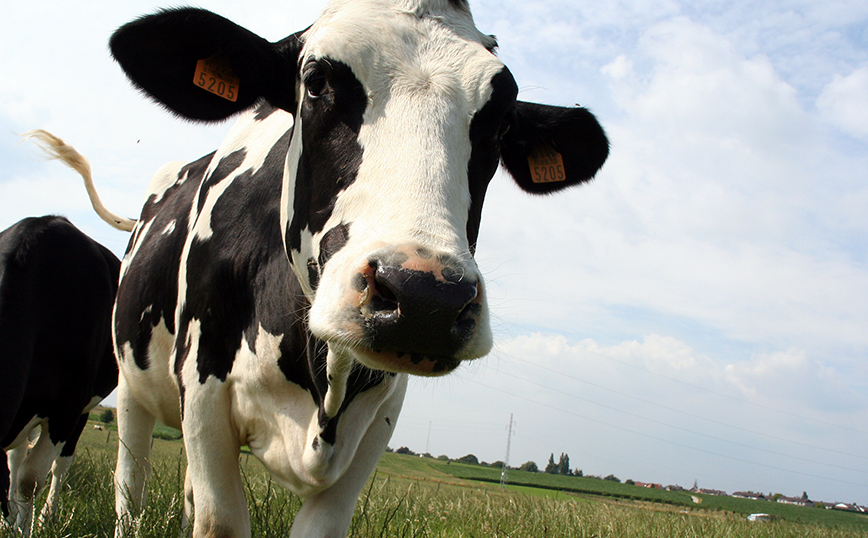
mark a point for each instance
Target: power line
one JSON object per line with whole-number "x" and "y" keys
{"x": 687, "y": 430}
{"x": 668, "y": 441}
{"x": 649, "y": 402}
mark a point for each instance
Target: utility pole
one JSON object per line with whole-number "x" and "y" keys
{"x": 503, "y": 472}
{"x": 428, "y": 442}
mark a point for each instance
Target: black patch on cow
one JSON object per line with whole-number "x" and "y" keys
{"x": 332, "y": 241}
{"x": 226, "y": 166}
{"x": 56, "y": 291}
{"x": 486, "y": 128}
{"x": 331, "y": 153}
{"x": 263, "y": 110}
{"x": 222, "y": 271}
{"x": 149, "y": 291}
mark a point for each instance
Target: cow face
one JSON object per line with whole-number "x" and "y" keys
{"x": 402, "y": 114}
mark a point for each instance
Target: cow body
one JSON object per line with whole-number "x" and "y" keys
{"x": 277, "y": 292}
{"x": 57, "y": 287}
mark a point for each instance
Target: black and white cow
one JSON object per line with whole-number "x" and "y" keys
{"x": 276, "y": 292}
{"x": 57, "y": 288}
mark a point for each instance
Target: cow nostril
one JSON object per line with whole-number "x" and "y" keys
{"x": 383, "y": 300}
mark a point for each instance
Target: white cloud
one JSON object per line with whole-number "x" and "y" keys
{"x": 844, "y": 102}
{"x": 796, "y": 380}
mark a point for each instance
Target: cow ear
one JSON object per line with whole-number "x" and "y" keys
{"x": 548, "y": 148}
{"x": 204, "y": 67}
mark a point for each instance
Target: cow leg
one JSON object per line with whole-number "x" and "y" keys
{"x": 188, "y": 502}
{"x": 328, "y": 514}
{"x": 212, "y": 462}
{"x": 135, "y": 428}
{"x": 59, "y": 469}
{"x": 31, "y": 477}
{"x": 58, "y": 474}
{"x": 15, "y": 460}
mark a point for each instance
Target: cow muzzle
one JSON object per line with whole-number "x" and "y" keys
{"x": 409, "y": 309}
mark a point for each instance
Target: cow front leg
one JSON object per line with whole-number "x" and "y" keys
{"x": 328, "y": 514}
{"x": 135, "y": 428}
{"x": 213, "y": 448}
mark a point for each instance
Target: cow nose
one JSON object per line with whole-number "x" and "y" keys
{"x": 419, "y": 309}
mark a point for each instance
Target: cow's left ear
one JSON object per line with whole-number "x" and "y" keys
{"x": 548, "y": 148}
{"x": 204, "y": 67}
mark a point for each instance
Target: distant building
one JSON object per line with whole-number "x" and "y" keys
{"x": 647, "y": 485}
{"x": 798, "y": 501}
{"x": 850, "y": 507}
{"x": 711, "y": 492}
{"x": 749, "y": 495}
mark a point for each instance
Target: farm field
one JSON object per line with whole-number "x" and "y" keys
{"x": 411, "y": 496}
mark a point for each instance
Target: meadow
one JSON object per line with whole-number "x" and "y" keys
{"x": 411, "y": 496}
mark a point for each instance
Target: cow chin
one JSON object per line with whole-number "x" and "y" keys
{"x": 405, "y": 363}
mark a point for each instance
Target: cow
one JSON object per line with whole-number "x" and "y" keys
{"x": 276, "y": 293}
{"x": 57, "y": 289}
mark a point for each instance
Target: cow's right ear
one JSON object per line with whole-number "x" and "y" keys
{"x": 204, "y": 67}
{"x": 548, "y": 148}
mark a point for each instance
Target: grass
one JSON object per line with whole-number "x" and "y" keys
{"x": 418, "y": 497}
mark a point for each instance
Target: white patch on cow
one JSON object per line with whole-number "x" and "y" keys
{"x": 155, "y": 388}
{"x": 94, "y": 401}
{"x": 412, "y": 185}
{"x": 169, "y": 228}
{"x": 256, "y": 136}
{"x": 140, "y": 230}
{"x": 279, "y": 420}
{"x": 164, "y": 179}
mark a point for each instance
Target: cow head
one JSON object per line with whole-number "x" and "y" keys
{"x": 402, "y": 114}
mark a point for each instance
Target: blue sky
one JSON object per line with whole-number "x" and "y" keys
{"x": 698, "y": 312}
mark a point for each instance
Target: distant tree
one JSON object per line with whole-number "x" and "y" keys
{"x": 564, "y": 464}
{"x": 497, "y": 464}
{"x": 630, "y": 482}
{"x": 552, "y": 467}
{"x": 389, "y": 449}
{"x": 443, "y": 457}
{"x": 578, "y": 472}
{"x": 529, "y": 466}
{"x": 804, "y": 495}
{"x": 470, "y": 458}
{"x": 405, "y": 450}
{"x": 613, "y": 478}
{"x": 107, "y": 416}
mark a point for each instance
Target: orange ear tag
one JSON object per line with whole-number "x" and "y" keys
{"x": 546, "y": 166}
{"x": 215, "y": 75}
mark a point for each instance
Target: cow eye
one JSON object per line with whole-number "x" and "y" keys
{"x": 315, "y": 82}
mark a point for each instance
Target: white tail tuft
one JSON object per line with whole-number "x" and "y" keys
{"x": 55, "y": 148}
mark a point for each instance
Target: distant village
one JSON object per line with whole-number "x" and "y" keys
{"x": 798, "y": 501}
{"x": 562, "y": 466}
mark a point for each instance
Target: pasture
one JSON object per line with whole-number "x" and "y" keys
{"x": 421, "y": 497}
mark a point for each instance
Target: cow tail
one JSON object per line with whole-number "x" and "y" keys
{"x": 55, "y": 148}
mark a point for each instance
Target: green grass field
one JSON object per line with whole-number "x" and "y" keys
{"x": 411, "y": 496}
